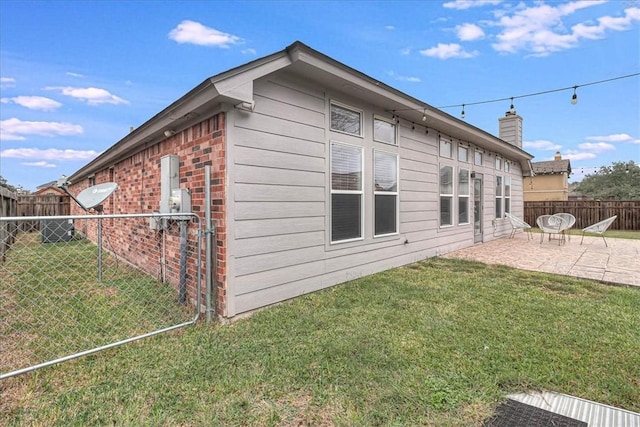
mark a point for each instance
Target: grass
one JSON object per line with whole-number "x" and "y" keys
{"x": 437, "y": 343}
{"x": 614, "y": 234}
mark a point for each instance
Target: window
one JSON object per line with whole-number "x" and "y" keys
{"x": 507, "y": 194}
{"x": 507, "y": 166}
{"x": 498, "y": 197}
{"x": 463, "y": 154}
{"x": 498, "y": 163}
{"x": 384, "y": 131}
{"x": 346, "y": 120}
{"x": 446, "y": 148}
{"x": 477, "y": 160}
{"x": 463, "y": 196}
{"x": 346, "y": 192}
{"x": 385, "y": 187}
{"x": 446, "y": 195}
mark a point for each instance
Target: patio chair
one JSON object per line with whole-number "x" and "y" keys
{"x": 518, "y": 224}
{"x": 571, "y": 220}
{"x": 599, "y": 228}
{"x": 552, "y": 224}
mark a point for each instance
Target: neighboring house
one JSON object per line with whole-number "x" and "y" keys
{"x": 550, "y": 180}
{"x": 49, "y": 188}
{"x": 320, "y": 174}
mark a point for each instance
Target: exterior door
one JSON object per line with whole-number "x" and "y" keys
{"x": 477, "y": 209}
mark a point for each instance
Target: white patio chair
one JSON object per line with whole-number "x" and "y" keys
{"x": 552, "y": 224}
{"x": 518, "y": 224}
{"x": 599, "y": 228}
{"x": 571, "y": 220}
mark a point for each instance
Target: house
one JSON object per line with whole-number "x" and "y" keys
{"x": 49, "y": 188}
{"x": 320, "y": 174}
{"x": 550, "y": 180}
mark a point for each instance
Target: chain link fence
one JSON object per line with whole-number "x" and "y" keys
{"x": 74, "y": 285}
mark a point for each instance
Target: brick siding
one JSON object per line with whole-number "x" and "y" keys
{"x": 138, "y": 178}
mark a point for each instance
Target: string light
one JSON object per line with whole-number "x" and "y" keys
{"x": 574, "y": 98}
{"x": 462, "y": 114}
{"x": 543, "y": 92}
{"x": 512, "y": 109}
{"x": 424, "y": 115}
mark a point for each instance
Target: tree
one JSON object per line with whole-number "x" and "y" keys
{"x": 621, "y": 181}
{"x": 4, "y": 183}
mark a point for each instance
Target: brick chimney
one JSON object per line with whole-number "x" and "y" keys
{"x": 510, "y": 128}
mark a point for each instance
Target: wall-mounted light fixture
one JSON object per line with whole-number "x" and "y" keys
{"x": 169, "y": 133}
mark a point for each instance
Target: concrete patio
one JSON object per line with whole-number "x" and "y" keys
{"x": 619, "y": 263}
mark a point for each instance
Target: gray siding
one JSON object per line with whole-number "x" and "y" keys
{"x": 279, "y": 213}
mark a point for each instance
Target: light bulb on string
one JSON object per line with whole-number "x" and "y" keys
{"x": 512, "y": 109}
{"x": 574, "y": 98}
{"x": 424, "y": 115}
{"x": 462, "y": 114}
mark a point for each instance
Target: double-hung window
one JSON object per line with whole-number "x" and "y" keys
{"x": 499, "y": 197}
{"x": 463, "y": 196}
{"x": 385, "y": 187}
{"x": 345, "y": 119}
{"x": 446, "y": 195}
{"x": 446, "y": 148}
{"x": 346, "y": 192}
{"x": 463, "y": 154}
{"x": 507, "y": 194}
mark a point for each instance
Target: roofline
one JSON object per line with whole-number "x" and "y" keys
{"x": 236, "y": 84}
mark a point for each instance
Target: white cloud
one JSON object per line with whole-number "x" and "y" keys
{"x": 401, "y": 78}
{"x": 195, "y": 33}
{"x": 91, "y": 95}
{"x": 49, "y": 154}
{"x": 542, "y": 145}
{"x": 42, "y": 164}
{"x": 80, "y": 76}
{"x": 576, "y": 155}
{"x": 446, "y": 51}
{"x": 16, "y": 130}
{"x": 596, "y": 147}
{"x": 33, "y": 102}
{"x": 467, "y": 4}
{"x": 390, "y": 27}
{"x": 469, "y": 32}
{"x": 249, "y": 51}
{"x": 7, "y": 82}
{"x": 405, "y": 51}
{"x": 541, "y": 29}
{"x": 616, "y": 137}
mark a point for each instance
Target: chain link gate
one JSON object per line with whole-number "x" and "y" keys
{"x": 75, "y": 285}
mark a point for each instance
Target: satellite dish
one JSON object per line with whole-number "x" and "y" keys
{"x": 93, "y": 196}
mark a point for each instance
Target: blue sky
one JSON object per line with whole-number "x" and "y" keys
{"x": 75, "y": 75}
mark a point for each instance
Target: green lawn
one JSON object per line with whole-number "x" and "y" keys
{"x": 436, "y": 343}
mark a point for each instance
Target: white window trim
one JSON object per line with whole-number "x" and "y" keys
{"x": 392, "y": 123}
{"x": 347, "y": 107}
{"x": 498, "y": 167}
{"x": 501, "y": 197}
{"x": 332, "y": 192}
{"x": 464, "y": 196}
{"x": 441, "y": 195}
{"x": 481, "y": 157}
{"x": 387, "y": 193}
{"x": 450, "y": 141}
{"x": 467, "y": 150}
{"x": 505, "y": 195}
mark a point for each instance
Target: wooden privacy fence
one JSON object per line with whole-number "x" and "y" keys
{"x": 8, "y": 207}
{"x": 42, "y": 205}
{"x": 588, "y": 212}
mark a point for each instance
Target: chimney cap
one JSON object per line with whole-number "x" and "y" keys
{"x": 557, "y": 156}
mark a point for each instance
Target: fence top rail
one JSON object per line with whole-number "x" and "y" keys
{"x": 173, "y": 216}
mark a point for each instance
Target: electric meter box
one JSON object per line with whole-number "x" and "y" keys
{"x": 180, "y": 201}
